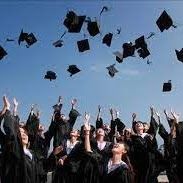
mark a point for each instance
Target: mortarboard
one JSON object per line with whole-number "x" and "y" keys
{"x": 50, "y": 75}
{"x": 164, "y": 21}
{"x": 30, "y": 39}
{"x": 58, "y": 43}
{"x": 93, "y": 28}
{"x": 73, "y": 22}
{"x": 112, "y": 70}
{"x": 119, "y": 56}
{"x": 107, "y": 39}
{"x": 143, "y": 52}
{"x": 140, "y": 42}
{"x": 83, "y": 45}
{"x": 3, "y": 53}
{"x": 179, "y": 54}
{"x": 128, "y": 49}
{"x": 73, "y": 69}
{"x": 167, "y": 86}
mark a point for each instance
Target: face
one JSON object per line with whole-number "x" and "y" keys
{"x": 128, "y": 132}
{"x": 118, "y": 148}
{"x": 41, "y": 128}
{"x": 100, "y": 132}
{"x": 63, "y": 117}
{"x": 74, "y": 133}
{"x": 146, "y": 127}
{"x": 24, "y": 136}
{"x": 139, "y": 126}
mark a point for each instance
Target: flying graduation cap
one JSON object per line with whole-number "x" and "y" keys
{"x": 3, "y": 53}
{"x": 119, "y": 56}
{"x": 73, "y": 69}
{"x": 107, "y": 39}
{"x": 73, "y": 22}
{"x": 112, "y": 70}
{"x": 179, "y": 55}
{"x": 93, "y": 28}
{"x": 50, "y": 75}
{"x": 30, "y": 39}
{"x": 58, "y": 43}
{"x": 141, "y": 46}
{"x": 83, "y": 45}
{"x": 128, "y": 49}
{"x": 164, "y": 22}
{"x": 167, "y": 87}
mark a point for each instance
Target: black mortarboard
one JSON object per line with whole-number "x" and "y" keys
{"x": 73, "y": 69}
{"x": 93, "y": 28}
{"x": 73, "y": 22}
{"x": 164, "y": 21}
{"x": 83, "y": 45}
{"x": 119, "y": 56}
{"x": 22, "y": 36}
{"x": 30, "y": 39}
{"x": 179, "y": 54}
{"x": 112, "y": 70}
{"x": 140, "y": 42}
{"x": 128, "y": 49}
{"x": 2, "y": 53}
{"x": 107, "y": 39}
{"x": 143, "y": 52}
{"x": 58, "y": 43}
{"x": 167, "y": 86}
{"x": 50, "y": 75}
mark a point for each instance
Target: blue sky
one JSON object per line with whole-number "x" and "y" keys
{"x": 135, "y": 88}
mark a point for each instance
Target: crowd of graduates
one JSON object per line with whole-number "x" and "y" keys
{"x": 93, "y": 154}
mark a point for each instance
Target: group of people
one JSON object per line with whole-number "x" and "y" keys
{"x": 93, "y": 154}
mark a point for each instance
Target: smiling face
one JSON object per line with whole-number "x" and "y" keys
{"x": 119, "y": 148}
{"x": 139, "y": 127}
{"x": 24, "y": 136}
{"x": 74, "y": 133}
{"x": 100, "y": 132}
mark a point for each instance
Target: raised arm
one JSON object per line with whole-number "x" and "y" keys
{"x": 99, "y": 121}
{"x": 73, "y": 114}
{"x": 87, "y": 128}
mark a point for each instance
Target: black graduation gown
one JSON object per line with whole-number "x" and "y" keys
{"x": 119, "y": 175}
{"x": 170, "y": 147}
{"x": 63, "y": 128}
{"x": 80, "y": 166}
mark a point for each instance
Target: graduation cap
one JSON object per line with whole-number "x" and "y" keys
{"x": 50, "y": 75}
{"x": 93, "y": 28}
{"x": 107, "y": 39}
{"x": 112, "y": 70}
{"x": 128, "y": 49}
{"x": 179, "y": 54}
{"x": 58, "y": 43}
{"x": 73, "y": 22}
{"x": 83, "y": 45}
{"x": 140, "y": 42}
{"x": 73, "y": 69}
{"x": 30, "y": 39}
{"x": 3, "y": 53}
{"x": 167, "y": 86}
{"x": 143, "y": 52}
{"x": 164, "y": 21}
{"x": 119, "y": 56}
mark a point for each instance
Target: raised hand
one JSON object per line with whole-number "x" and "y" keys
{"x": 15, "y": 103}
{"x": 99, "y": 108}
{"x": 134, "y": 115}
{"x": 73, "y": 102}
{"x": 6, "y": 103}
{"x": 175, "y": 116}
{"x": 152, "y": 110}
{"x": 87, "y": 126}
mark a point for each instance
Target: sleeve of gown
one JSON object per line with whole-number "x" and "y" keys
{"x": 162, "y": 132}
{"x": 72, "y": 117}
{"x": 153, "y": 126}
{"x": 120, "y": 125}
{"x": 99, "y": 123}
